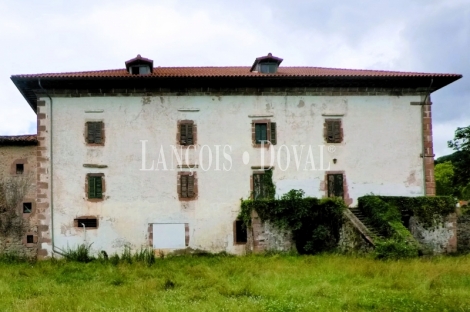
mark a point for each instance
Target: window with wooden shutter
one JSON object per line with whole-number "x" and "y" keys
{"x": 335, "y": 185}
{"x": 187, "y": 186}
{"x": 95, "y": 186}
{"x": 333, "y": 131}
{"x": 186, "y": 133}
{"x": 95, "y": 132}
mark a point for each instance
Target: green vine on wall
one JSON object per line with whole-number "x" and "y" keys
{"x": 384, "y": 213}
{"x": 314, "y": 223}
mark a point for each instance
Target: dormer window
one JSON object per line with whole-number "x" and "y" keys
{"x": 266, "y": 64}
{"x": 267, "y": 68}
{"x": 139, "y": 65}
{"x": 139, "y": 70}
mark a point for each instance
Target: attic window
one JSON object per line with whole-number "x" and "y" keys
{"x": 139, "y": 70}
{"x": 139, "y": 65}
{"x": 267, "y": 68}
{"x": 266, "y": 64}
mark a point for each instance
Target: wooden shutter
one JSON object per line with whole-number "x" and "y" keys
{"x": 189, "y": 134}
{"x": 333, "y": 131}
{"x": 337, "y": 131}
{"x": 98, "y": 129}
{"x": 91, "y": 187}
{"x": 184, "y": 186}
{"x": 98, "y": 187}
{"x": 273, "y": 133}
{"x": 183, "y": 131}
{"x": 190, "y": 186}
{"x": 95, "y": 187}
{"x": 91, "y": 132}
{"x": 94, "y": 132}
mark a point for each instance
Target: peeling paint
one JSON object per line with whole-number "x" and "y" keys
{"x": 146, "y": 100}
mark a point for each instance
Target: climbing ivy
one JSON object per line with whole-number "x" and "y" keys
{"x": 385, "y": 214}
{"x": 314, "y": 223}
{"x": 427, "y": 209}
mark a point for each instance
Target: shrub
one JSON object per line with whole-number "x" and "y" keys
{"x": 395, "y": 249}
{"x": 314, "y": 223}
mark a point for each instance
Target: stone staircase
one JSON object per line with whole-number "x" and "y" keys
{"x": 359, "y": 221}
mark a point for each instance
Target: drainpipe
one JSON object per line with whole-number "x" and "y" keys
{"x": 423, "y": 139}
{"x": 52, "y": 176}
{"x": 84, "y": 233}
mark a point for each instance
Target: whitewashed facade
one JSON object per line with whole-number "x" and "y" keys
{"x": 381, "y": 152}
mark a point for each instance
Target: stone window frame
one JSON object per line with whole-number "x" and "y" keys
{"x": 103, "y": 133}
{"x": 20, "y": 161}
{"x": 269, "y": 126}
{"x": 33, "y": 207}
{"x": 103, "y": 186}
{"x": 324, "y": 186}
{"x": 325, "y": 130}
{"x": 195, "y": 187}
{"x": 178, "y": 133}
{"x": 235, "y": 241}
{"x": 78, "y": 226}
{"x": 25, "y": 240}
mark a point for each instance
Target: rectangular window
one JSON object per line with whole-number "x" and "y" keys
{"x": 333, "y": 131}
{"x": 241, "y": 234}
{"x": 95, "y": 186}
{"x": 95, "y": 132}
{"x": 186, "y": 133}
{"x": 262, "y": 185}
{"x": 29, "y": 239}
{"x": 264, "y": 131}
{"x": 335, "y": 185}
{"x": 86, "y": 222}
{"x": 27, "y": 207}
{"x": 19, "y": 168}
{"x": 261, "y": 130}
{"x": 186, "y": 186}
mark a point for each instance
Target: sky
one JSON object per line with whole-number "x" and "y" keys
{"x": 62, "y": 36}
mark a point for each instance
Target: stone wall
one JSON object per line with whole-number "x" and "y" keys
{"x": 10, "y": 157}
{"x": 463, "y": 233}
{"x": 439, "y": 239}
{"x": 351, "y": 240}
{"x": 264, "y": 237}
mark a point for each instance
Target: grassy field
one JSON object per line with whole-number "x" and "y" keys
{"x": 252, "y": 283}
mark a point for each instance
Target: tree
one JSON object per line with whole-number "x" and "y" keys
{"x": 461, "y": 144}
{"x": 444, "y": 176}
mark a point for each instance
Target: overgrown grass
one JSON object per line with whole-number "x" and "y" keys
{"x": 251, "y": 283}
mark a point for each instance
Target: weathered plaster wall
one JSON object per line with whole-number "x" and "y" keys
{"x": 9, "y": 157}
{"x": 463, "y": 233}
{"x": 380, "y": 154}
{"x": 438, "y": 239}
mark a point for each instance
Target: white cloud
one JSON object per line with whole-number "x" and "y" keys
{"x": 60, "y": 35}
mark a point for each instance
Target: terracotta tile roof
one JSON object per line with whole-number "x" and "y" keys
{"x": 11, "y": 140}
{"x": 166, "y": 72}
